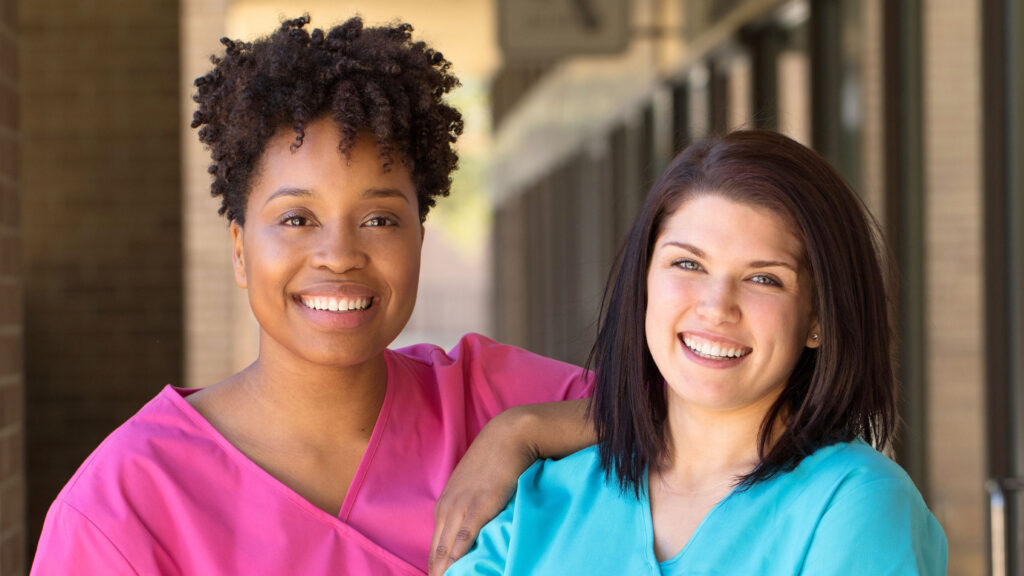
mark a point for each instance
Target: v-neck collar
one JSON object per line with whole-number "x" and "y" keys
{"x": 177, "y": 397}
{"x": 647, "y": 522}
{"x": 371, "y": 448}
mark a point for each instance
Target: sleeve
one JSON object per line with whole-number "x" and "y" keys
{"x": 72, "y": 545}
{"x": 506, "y": 376}
{"x": 882, "y": 528}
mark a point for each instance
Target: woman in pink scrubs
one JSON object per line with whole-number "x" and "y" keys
{"x": 327, "y": 454}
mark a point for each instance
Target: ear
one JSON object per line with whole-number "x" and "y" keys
{"x": 814, "y": 336}
{"x": 238, "y": 254}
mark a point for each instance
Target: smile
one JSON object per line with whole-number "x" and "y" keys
{"x": 713, "y": 350}
{"x": 327, "y": 303}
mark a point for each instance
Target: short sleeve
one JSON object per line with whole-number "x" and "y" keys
{"x": 71, "y": 545}
{"x": 881, "y": 527}
{"x": 497, "y": 376}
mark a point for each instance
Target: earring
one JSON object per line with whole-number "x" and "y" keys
{"x": 814, "y": 336}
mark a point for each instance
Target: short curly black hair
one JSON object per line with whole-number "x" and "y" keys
{"x": 373, "y": 79}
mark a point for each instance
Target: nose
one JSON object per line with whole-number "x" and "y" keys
{"x": 718, "y": 303}
{"x": 338, "y": 249}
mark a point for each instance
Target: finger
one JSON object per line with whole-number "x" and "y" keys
{"x": 464, "y": 538}
{"x": 440, "y": 517}
{"x": 440, "y": 550}
{"x": 454, "y": 543}
{"x": 435, "y": 546}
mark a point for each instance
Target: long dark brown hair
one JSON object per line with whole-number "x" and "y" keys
{"x": 842, "y": 390}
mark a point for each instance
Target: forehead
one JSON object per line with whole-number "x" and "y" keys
{"x": 320, "y": 166}
{"x": 726, "y": 224}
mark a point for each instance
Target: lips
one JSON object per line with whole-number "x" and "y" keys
{"x": 714, "y": 349}
{"x": 338, "y": 307}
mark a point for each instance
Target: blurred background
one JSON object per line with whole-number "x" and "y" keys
{"x": 115, "y": 273}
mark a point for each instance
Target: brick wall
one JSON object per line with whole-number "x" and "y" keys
{"x": 953, "y": 251}
{"x": 101, "y": 224}
{"x": 212, "y": 309}
{"x": 12, "y": 399}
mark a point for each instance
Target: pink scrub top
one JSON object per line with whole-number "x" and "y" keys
{"x": 166, "y": 493}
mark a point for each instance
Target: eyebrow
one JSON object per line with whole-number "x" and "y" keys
{"x": 755, "y": 264}
{"x": 293, "y": 192}
{"x": 385, "y": 193}
{"x": 367, "y": 194}
{"x": 772, "y": 264}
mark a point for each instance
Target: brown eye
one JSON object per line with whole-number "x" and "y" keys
{"x": 378, "y": 221}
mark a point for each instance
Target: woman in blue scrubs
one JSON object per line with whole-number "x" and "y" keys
{"x": 744, "y": 388}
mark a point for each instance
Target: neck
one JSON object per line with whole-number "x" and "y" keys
{"x": 320, "y": 403}
{"x": 706, "y": 447}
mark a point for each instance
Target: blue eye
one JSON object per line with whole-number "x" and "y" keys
{"x": 765, "y": 280}
{"x": 687, "y": 264}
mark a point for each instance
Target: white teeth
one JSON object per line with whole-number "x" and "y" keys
{"x": 336, "y": 304}
{"x": 713, "y": 351}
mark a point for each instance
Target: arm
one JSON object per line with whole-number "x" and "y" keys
{"x": 881, "y": 527}
{"x": 482, "y": 483}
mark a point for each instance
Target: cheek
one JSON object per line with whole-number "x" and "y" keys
{"x": 667, "y": 296}
{"x": 662, "y": 315}
{"x": 266, "y": 257}
{"x": 402, "y": 264}
{"x": 781, "y": 321}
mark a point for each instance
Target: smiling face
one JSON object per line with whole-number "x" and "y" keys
{"x": 728, "y": 304}
{"x": 330, "y": 250}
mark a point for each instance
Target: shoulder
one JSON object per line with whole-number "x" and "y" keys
{"x": 496, "y": 374}
{"x": 162, "y": 432}
{"x": 474, "y": 349}
{"x": 128, "y": 481}
{"x": 564, "y": 514}
{"x": 853, "y": 465}
{"x": 871, "y": 505}
{"x": 571, "y": 490}
{"x": 574, "y": 481}
{"x": 575, "y": 468}
{"x": 849, "y": 480}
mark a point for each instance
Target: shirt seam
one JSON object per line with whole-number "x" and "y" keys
{"x": 375, "y": 441}
{"x": 101, "y": 532}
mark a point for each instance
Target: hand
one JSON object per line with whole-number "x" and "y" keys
{"x": 480, "y": 487}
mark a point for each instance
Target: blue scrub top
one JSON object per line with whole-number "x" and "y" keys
{"x": 846, "y": 509}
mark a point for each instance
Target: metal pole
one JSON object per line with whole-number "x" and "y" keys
{"x": 1003, "y": 497}
{"x": 997, "y": 528}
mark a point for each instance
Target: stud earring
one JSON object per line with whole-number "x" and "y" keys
{"x": 814, "y": 336}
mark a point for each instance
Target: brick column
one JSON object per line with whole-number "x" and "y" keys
{"x": 216, "y": 310}
{"x": 101, "y": 224}
{"x": 12, "y": 395}
{"x": 952, "y": 172}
